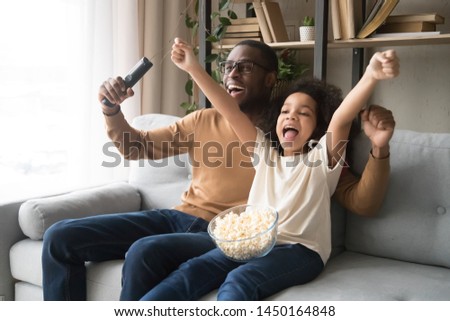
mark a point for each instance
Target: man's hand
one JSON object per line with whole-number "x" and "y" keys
{"x": 378, "y": 124}
{"x": 115, "y": 91}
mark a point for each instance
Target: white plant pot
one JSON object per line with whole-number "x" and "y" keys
{"x": 307, "y": 33}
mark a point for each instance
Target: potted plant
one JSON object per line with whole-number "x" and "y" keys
{"x": 307, "y": 29}
{"x": 289, "y": 69}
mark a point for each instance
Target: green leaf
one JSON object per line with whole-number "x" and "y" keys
{"x": 189, "y": 107}
{"x": 195, "y": 28}
{"x": 224, "y": 4}
{"x": 225, "y": 21}
{"x": 219, "y": 31}
{"x": 215, "y": 74}
{"x": 196, "y": 7}
{"x": 189, "y": 21}
{"x": 189, "y": 87}
{"x": 210, "y": 58}
{"x": 212, "y": 38}
{"x": 232, "y": 14}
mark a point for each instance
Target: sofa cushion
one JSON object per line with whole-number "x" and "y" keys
{"x": 414, "y": 222}
{"x": 353, "y": 276}
{"x": 36, "y": 215}
{"x": 103, "y": 279}
{"x": 25, "y": 261}
{"x": 171, "y": 175}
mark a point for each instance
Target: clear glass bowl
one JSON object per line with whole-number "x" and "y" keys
{"x": 245, "y": 232}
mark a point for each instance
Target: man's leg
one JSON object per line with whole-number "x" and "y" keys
{"x": 152, "y": 259}
{"x": 70, "y": 243}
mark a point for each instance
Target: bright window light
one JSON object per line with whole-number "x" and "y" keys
{"x": 44, "y": 134}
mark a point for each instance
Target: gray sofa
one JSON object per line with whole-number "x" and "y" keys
{"x": 402, "y": 254}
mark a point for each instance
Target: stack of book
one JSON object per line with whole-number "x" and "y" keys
{"x": 241, "y": 29}
{"x": 411, "y": 23}
{"x": 267, "y": 26}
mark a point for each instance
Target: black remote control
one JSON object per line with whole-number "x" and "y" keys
{"x": 133, "y": 76}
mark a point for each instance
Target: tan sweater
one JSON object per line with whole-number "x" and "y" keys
{"x": 222, "y": 174}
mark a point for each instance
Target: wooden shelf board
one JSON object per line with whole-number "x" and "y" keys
{"x": 369, "y": 42}
{"x": 363, "y": 43}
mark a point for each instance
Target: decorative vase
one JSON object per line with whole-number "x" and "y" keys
{"x": 307, "y": 33}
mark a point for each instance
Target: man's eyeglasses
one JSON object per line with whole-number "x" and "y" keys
{"x": 243, "y": 66}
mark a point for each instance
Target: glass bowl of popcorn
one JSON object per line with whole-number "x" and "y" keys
{"x": 245, "y": 232}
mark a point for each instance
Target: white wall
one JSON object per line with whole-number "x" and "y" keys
{"x": 420, "y": 96}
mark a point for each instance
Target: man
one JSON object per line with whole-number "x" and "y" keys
{"x": 156, "y": 242}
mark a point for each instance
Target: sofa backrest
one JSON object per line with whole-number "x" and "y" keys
{"x": 414, "y": 222}
{"x": 159, "y": 182}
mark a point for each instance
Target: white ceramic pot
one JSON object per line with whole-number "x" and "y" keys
{"x": 307, "y": 33}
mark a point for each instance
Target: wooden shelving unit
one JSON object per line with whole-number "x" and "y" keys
{"x": 321, "y": 45}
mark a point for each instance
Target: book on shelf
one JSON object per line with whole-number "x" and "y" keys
{"x": 234, "y": 41}
{"x": 335, "y": 19}
{"x": 346, "y": 18}
{"x": 240, "y": 29}
{"x": 275, "y": 21}
{"x": 254, "y": 34}
{"x": 422, "y": 34}
{"x": 261, "y": 17}
{"x": 414, "y": 26}
{"x": 377, "y": 16}
{"x": 432, "y": 17}
{"x": 244, "y": 21}
{"x": 243, "y": 28}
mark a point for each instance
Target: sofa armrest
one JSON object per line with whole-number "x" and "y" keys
{"x": 10, "y": 233}
{"x": 37, "y": 215}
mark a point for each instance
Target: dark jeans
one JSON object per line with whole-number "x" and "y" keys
{"x": 285, "y": 266}
{"x": 154, "y": 242}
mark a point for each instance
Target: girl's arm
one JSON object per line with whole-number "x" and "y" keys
{"x": 185, "y": 59}
{"x": 383, "y": 65}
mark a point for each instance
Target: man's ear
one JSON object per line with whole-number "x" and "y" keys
{"x": 271, "y": 79}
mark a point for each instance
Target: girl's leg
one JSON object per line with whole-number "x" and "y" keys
{"x": 285, "y": 266}
{"x": 193, "y": 279}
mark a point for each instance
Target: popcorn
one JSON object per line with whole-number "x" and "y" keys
{"x": 247, "y": 235}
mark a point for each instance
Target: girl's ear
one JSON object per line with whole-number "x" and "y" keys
{"x": 271, "y": 79}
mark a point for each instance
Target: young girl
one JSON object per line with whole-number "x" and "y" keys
{"x": 298, "y": 181}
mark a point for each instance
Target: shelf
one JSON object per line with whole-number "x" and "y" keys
{"x": 363, "y": 43}
{"x": 369, "y": 42}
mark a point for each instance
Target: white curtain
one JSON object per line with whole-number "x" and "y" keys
{"x": 54, "y": 54}
{"x": 160, "y": 22}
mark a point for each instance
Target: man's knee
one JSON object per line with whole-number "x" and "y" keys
{"x": 58, "y": 232}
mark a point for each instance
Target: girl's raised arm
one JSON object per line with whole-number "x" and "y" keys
{"x": 185, "y": 59}
{"x": 383, "y": 65}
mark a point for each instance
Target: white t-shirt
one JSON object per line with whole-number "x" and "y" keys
{"x": 299, "y": 188}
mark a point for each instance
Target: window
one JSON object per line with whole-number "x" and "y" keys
{"x": 51, "y": 127}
